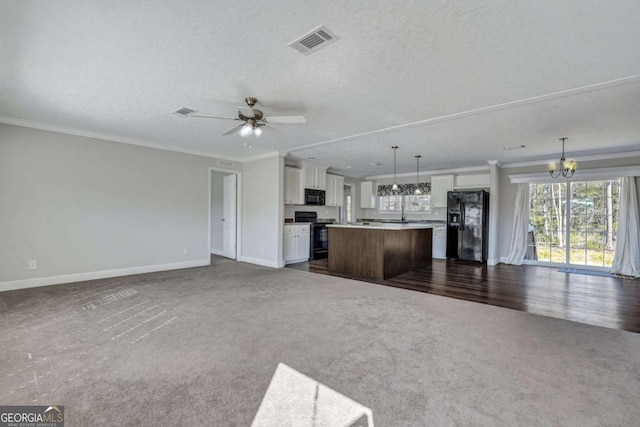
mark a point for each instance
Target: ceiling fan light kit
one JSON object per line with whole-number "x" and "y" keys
{"x": 246, "y": 130}
{"x": 567, "y": 167}
{"x": 251, "y": 123}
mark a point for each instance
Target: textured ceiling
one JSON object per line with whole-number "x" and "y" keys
{"x": 497, "y": 73}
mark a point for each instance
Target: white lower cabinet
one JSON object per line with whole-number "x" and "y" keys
{"x": 297, "y": 242}
{"x": 440, "y": 243}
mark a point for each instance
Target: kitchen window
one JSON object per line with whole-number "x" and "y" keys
{"x": 413, "y": 203}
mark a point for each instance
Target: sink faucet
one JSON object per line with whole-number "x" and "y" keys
{"x": 403, "y": 218}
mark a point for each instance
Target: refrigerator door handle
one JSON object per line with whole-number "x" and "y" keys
{"x": 462, "y": 216}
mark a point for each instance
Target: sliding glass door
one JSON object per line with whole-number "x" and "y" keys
{"x": 573, "y": 222}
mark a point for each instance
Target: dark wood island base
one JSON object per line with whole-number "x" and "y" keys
{"x": 379, "y": 252}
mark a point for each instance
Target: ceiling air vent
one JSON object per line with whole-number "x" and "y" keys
{"x": 183, "y": 111}
{"x": 316, "y": 39}
{"x": 226, "y": 164}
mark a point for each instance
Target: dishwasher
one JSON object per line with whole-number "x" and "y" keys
{"x": 440, "y": 243}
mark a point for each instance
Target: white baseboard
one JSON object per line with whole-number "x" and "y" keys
{"x": 103, "y": 274}
{"x": 263, "y": 262}
{"x": 294, "y": 261}
{"x": 217, "y": 252}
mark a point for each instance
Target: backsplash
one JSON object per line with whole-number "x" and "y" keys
{"x": 436, "y": 214}
{"x": 325, "y": 212}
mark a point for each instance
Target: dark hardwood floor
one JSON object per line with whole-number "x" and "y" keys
{"x": 601, "y": 301}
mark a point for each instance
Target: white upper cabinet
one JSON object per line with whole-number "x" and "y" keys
{"x": 440, "y": 185}
{"x": 368, "y": 194}
{"x": 335, "y": 190}
{"x": 293, "y": 191}
{"x": 315, "y": 176}
{"x": 480, "y": 180}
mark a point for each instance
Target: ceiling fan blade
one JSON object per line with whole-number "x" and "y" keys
{"x": 233, "y": 129}
{"x": 285, "y": 119}
{"x": 204, "y": 116}
{"x": 274, "y": 129}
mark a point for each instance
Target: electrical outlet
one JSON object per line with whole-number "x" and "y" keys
{"x": 185, "y": 251}
{"x": 32, "y": 264}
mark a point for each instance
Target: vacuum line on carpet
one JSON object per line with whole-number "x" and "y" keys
{"x": 140, "y": 313}
{"x": 153, "y": 330}
{"x": 138, "y": 325}
{"x": 123, "y": 311}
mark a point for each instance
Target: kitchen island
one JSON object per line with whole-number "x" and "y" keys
{"x": 379, "y": 250}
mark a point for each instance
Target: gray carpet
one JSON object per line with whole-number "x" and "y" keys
{"x": 200, "y": 346}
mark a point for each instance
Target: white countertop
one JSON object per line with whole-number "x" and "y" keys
{"x": 388, "y": 226}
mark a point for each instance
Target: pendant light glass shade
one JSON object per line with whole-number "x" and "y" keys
{"x": 567, "y": 168}
{"x": 246, "y": 130}
{"x": 394, "y": 187}
{"x": 418, "y": 191}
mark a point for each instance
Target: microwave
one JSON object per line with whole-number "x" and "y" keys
{"x": 314, "y": 197}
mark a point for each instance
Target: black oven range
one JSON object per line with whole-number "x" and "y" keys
{"x": 319, "y": 246}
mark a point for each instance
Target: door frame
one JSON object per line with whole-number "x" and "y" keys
{"x": 238, "y": 210}
{"x": 343, "y": 208}
{"x": 567, "y": 226}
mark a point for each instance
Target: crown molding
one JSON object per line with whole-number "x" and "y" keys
{"x": 263, "y": 156}
{"x": 593, "y": 157}
{"x": 115, "y": 138}
{"x": 497, "y": 163}
{"x": 579, "y": 175}
{"x": 434, "y": 172}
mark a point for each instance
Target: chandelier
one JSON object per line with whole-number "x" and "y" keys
{"x": 567, "y": 168}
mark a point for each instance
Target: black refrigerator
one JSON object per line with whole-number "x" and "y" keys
{"x": 467, "y": 225}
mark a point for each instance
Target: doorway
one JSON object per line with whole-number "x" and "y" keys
{"x": 346, "y": 210}
{"x": 223, "y": 213}
{"x": 574, "y": 223}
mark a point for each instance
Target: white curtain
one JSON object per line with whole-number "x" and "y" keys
{"x": 520, "y": 226}
{"x": 627, "y": 257}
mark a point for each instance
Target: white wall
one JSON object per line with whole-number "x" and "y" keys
{"x": 263, "y": 211}
{"x": 87, "y": 208}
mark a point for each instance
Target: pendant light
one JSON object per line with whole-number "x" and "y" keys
{"x": 418, "y": 191}
{"x": 567, "y": 169}
{"x": 394, "y": 187}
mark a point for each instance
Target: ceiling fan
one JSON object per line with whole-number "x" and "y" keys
{"x": 251, "y": 122}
